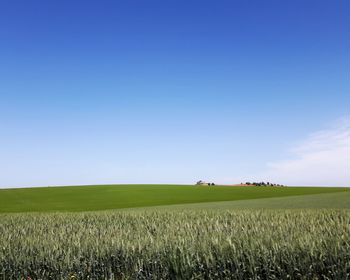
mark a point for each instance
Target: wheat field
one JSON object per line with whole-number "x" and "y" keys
{"x": 186, "y": 244}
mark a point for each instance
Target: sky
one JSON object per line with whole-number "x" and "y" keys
{"x": 103, "y": 92}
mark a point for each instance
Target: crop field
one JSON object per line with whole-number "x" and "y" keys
{"x": 191, "y": 244}
{"x": 294, "y": 233}
{"x": 103, "y": 197}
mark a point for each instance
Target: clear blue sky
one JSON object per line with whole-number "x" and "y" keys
{"x": 167, "y": 91}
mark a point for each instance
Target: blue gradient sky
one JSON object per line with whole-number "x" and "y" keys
{"x": 167, "y": 91}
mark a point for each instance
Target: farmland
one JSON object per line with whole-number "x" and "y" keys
{"x": 175, "y": 232}
{"x": 103, "y": 197}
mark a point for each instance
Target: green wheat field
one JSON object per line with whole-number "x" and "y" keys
{"x": 174, "y": 232}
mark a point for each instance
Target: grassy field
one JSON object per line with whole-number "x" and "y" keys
{"x": 175, "y": 232}
{"x": 338, "y": 200}
{"x": 90, "y": 198}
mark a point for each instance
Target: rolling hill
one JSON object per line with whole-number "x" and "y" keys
{"x": 103, "y": 197}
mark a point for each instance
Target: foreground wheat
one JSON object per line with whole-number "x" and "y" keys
{"x": 251, "y": 244}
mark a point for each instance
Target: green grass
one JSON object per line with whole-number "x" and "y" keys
{"x": 103, "y": 197}
{"x": 338, "y": 200}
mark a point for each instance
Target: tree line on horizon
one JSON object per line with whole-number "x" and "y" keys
{"x": 262, "y": 184}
